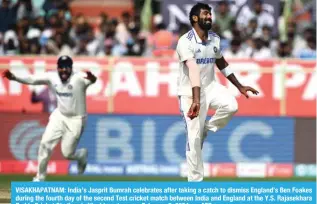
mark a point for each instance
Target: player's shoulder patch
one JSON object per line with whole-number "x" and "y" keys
{"x": 190, "y": 35}
{"x": 187, "y": 36}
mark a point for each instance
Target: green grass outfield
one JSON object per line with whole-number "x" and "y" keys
{"x": 5, "y": 180}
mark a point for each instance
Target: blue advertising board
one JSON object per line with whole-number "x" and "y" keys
{"x": 130, "y": 139}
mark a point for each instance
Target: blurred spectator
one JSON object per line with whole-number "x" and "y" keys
{"x": 266, "y": 35}
{"x": 22, "y": 27}
{"x": 262, "y": 16}
{"x": 33, "y": 33}
{"x": 284, "y": 50}
{"x": 257, "y": 12}
{"x": 10, "y": 43}
{"x": 223, "y": 16}
{"x": 251, "y": 29}
{"x": 234, "y": 32}
{"x": 310, "y": 51}
{"x": 300, "y": 41}
{"x": 54, "y": 5}
{"x": 7, "y": 16}
{"x": 39, "y": 23}
{"x": 101, "y": 24}
{"x": 35, "y": 48}
{"x": 93, "y": 45}
{"x": 257, "y": 50}
{"x": 235, "y": 50}
{"x": 80, "y": 27}
{"x": 136, "y": 43}
{"x": 81, "y": 47}
{"x": 122, "y": 33}
{"x": 111, "y": 29}
{"x": 55, "y": 24}
{"x": 268, "y": 39}
{"x": 24, "y": 46}
{"x": 108, "y": 45}
{"x": 25, "y": 9}
{"x": 58, "y": 45}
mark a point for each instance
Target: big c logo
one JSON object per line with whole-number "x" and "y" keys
{"x": 25, "y": 140}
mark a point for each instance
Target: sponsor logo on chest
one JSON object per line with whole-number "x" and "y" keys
{"x": 64, "y": 90}
{"x": 206, "y": 60}
{"x": 205, "y": 55}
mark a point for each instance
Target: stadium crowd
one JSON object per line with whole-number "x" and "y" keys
{"x": 52, "y": 30}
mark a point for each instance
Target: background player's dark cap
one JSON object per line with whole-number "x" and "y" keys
{"x": 65, "y": 62}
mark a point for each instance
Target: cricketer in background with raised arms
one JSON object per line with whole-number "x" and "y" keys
{"x": 198, "y": 51}
{"x": 67, "y": 121}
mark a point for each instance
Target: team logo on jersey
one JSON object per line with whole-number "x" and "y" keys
{"x": 198, "y": 51}
{"x": 215, "y": 49}
{"x": 70, "y": 86}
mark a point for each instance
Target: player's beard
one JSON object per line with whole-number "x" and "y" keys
{"x": 64, "y": 75}
{"x": 204, "y": 24}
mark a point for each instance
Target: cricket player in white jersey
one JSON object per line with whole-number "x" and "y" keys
{"x": 198, "y": 51}
{"x": 67, "y": 121}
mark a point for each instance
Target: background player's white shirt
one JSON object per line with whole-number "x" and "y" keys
{"x": 71, "y": 96}
{"x": 190, "y": 46}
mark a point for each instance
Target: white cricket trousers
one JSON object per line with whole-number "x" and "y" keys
{"x": 66, "y": 129}
{"x": 216, "y": 97}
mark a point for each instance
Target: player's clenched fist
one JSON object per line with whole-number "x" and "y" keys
{"x": 193, "y": 110}
{"x": 7, "y": 74}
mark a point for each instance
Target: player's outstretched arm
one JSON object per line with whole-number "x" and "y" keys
{"x": 28, "y": 79}
{"x": 225, "y": 69}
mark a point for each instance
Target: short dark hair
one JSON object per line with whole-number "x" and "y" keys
{"x": 195, "y": 11}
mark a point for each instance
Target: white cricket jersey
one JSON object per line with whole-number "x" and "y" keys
{"x": 190, "y": 46}
{"x": 71, "y": 96}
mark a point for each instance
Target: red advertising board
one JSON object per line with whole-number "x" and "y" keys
{"x": 223, "y": 170}
{"x": 21, "y": 135}
{"x": 148, "y": 85}
{"x": 30, "y": 167}
{"x": 279, "y": 170}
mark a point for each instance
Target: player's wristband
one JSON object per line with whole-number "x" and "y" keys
{"x": 226, "y": 71}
